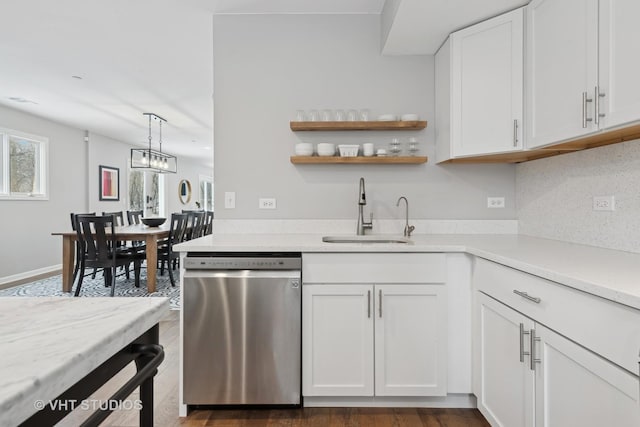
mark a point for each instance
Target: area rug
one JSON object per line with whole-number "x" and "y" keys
{"x": 52, "y": 286}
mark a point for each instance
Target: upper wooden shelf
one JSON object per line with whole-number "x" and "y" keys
{"x": 370, "y": 125}
{"x": 318, "y": 160}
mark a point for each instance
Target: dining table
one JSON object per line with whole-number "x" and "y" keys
{"x": 134, "y": 232}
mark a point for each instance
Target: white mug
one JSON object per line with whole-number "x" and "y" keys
{"x": 367, "y": 149}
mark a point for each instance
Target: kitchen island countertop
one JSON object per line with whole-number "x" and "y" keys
{"x": 610, "y": 274}
{"x": 50, "y": 343}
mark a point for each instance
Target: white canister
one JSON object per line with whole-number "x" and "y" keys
{"x": 367, "y": 149}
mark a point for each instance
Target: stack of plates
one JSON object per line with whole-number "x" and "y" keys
{"x": 387, "y": 118}
{"x": 409, "y": 117}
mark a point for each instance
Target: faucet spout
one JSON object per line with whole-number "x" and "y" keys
{"x": 362, "y": 197}
{"x": 362, "y": 201}
{"x": 407, "y": 228}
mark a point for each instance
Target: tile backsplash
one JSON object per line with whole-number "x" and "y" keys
{"x": 554, "y": 197}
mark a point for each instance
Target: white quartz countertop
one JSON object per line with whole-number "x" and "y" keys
{"x": 47, "y": 344}
{"x": 610, "y": 274}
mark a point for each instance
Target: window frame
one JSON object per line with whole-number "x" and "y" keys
{"x": 42, "y": 164}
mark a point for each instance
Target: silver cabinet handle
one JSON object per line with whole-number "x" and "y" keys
{"x": 597, "y": 95}
{"x": 515, "y": 132}
{"x": 585, "y": 119}
{"x": 368, "y": 304}
{"x": 522, "y": 352}
{"x": 527, "y": 296}
{"x": 534, "y": 339}
{"x": 380, "y": 302}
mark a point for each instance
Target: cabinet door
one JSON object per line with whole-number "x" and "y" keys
{"x": 619, "y": 62}
{"x": 410, "y": 340}
{"x": 562, "y": 62}
{"x": 486, "y": 86}
{"x": 337, "y": 340}
{"x": 575, "y": 387}
{"x": 505, "y": 390}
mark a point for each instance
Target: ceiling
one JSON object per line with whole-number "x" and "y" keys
{"x": 130, "y": 57}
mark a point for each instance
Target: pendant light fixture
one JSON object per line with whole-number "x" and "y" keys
{"x": 157, "y": 161}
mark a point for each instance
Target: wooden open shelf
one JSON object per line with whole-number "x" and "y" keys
{"x": 370, "y": 125}
{"x": 317, "y": 160}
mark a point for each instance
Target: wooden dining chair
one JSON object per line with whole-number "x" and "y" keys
{"x": 177, "y": 231}
{"x": 197, "y": 225}
{"x": 133, "y": 217}
{"x": 76, "y": 267}
{"x": 101, "y": 250}
{"x": 208, "y": 223}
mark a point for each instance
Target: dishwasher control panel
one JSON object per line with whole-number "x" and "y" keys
{"x": 199, "y": 262}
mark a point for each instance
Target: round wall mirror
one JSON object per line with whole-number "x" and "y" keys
{"x": 184, "y": 191}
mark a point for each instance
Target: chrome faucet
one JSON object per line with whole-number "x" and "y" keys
{"x": 407, "y": 228}
{"x": 362, "y": 201}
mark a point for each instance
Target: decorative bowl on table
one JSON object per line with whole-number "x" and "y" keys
{"x": 153, "y": 222}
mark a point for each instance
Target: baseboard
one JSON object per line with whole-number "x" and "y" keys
{"x": 29, "y": 276}
{"x": 448, "y": 401}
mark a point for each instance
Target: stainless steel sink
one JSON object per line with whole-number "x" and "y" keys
{"x": 366, "y": 239}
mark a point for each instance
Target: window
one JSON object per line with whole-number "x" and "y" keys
{"x": 206, "y": 192}
{"x": 146, "y": 191}
{"x": 23, "y": 166}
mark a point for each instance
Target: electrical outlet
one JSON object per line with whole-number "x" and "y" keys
{"x": 495, "y": 202}
{"x": 230, "y": 200}
{"x": 266, "y": 203}
{"x": 604, "y": 203}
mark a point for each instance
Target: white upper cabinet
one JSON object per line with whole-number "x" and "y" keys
{"x": 581, "y": 68}
{"x": 619, "y": 62}
{"x": 562, "y": 65}
{"x": 479, "y": 89}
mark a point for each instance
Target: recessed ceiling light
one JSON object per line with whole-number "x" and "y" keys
{"x": 76, "y": 77}
{"x": 21, "y": 100}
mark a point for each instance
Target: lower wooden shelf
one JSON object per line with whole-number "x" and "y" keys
{"x": 317, "y": 160}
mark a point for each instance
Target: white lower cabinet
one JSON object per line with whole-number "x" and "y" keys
{"x": 374, "y": 340}
{"x": 505, "y": 387}
{"x": 526, "y": 374}
{"x": 575, "y": 387}
{"x": 337, "y": 345}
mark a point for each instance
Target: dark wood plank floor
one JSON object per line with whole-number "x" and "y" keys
{"x": 166, "y": 405}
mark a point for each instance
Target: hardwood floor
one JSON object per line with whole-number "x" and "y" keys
{"x": 166, "y": 405}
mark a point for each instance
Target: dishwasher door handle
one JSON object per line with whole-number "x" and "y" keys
{"x": 248, "y": 274}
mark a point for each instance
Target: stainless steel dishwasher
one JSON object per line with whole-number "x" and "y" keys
{"x": 242, "y": 329}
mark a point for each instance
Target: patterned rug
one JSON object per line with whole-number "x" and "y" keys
{"x": 52, "y": 286}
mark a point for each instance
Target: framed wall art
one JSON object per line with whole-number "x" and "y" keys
{"x": 109, "y": 183}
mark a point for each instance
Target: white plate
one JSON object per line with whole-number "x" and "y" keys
{"x": 409, "y": 117}
{"x": 387, "y": 118}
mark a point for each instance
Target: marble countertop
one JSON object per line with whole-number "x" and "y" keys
{"x": 50, "y": 343}
{"x": 610, "y": 274}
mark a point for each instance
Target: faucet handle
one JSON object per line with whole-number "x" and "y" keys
{"x": 409, "y": 230}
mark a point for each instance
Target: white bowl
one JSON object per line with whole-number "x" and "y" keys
{"x": 326, "y": 149}
{"x": 409, "y": 117}
{"x": 387, "y": 118}
{"x": 304, "y": 149}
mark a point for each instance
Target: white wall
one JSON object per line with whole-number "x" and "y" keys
{"x": 555, "y": 197}
{"x": 268, "y": 66}
{"x": 26, "y": 226}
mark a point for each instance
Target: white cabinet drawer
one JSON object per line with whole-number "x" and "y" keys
{"x": 374, "y": 268}
{"x": 607, "y": 328}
